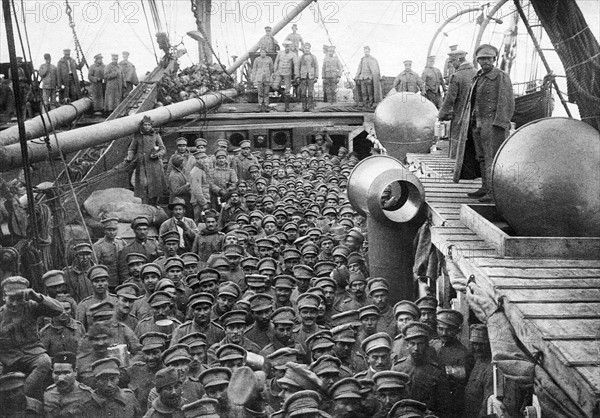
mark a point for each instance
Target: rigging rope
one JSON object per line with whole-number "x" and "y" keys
{"x": 149, "y": 32}
{"x": 78, "y": 49}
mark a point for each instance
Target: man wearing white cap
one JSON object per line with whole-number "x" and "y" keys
{"x": 114, "y": 84}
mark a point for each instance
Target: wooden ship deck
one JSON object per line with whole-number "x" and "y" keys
{"x": 553, "y": 304}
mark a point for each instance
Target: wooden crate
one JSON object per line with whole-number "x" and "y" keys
{"x": 487, "y": 223}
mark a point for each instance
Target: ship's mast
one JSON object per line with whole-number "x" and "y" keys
{"x": 201, "y": 10}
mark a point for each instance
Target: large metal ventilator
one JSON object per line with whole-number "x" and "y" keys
{"x": 390, "y": 197}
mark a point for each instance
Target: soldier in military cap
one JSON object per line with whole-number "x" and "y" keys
{"x": 492, "y": 107}
{"x": 408, "y": 80}
{"x": 98, "y": 276}
{"x": 209, "y": 240}
{"x": 108, "y": 399}
{"x": 480, "y": 385}
{"x": 433, "y": 82}
{"x": 185, "y": 227}
{"x": 198, "y": 352}
{"x": 200, "y": 306}
{"x": 261, "y": 332}
{"x": 408, "y": 408}
{"x": 378, "y": 290}
{"x": 429, "y": 381}
{"x": 369, "y": 317}
{"x": 107, "y": 250}
{"x": 405, "y": 312}
{"x": 78, "y": 284}
{"x": 161, "y": 319}
{"x": 345, "y": 349}
{"x": 305, "y": 403}
{"x": 21, "y": 349}
{"x": 135, "y": 262}
{"x": 347, "y": 399}
{"x": 207, "y": 281}
{"x": 150, "y": 274}
{"x": 453, "y": 356}
{"x": 234, "y": 323}
{"x": 231, "y": 208}
{"x": 66, "y": 397}
{"x": 142, "y": 373}
{"x": 320, "y": 344}
{"x": 215, "y": 382}
{"x": 390, "y": 387}
{"x": 303, "y": 275}
{"x": 142, "y": 244}
{"x": 377, "y": 349}
{"x": 126, "y": 296}
{"x": 428, "y": 306}
{"x": 283, "y": 323}
{"x": 14, "y": 401}
{"x": 179, "y": 358}
{"x": 298, "y": 377}
{"x": 170, "y": 401}
{"x": 308, "y": 305}
{"x": 174, "y": 271}
{"x": 62, "y": 333}
{"x": 55, "y": 285}
{"x": 329, "y": 369}
{"x": 170, "y": 244}
{"x": 328, "y": 286}
{"x": 356, "y": 295}
{"x": 98, "y": 339}
{"x": 227, "y": 295}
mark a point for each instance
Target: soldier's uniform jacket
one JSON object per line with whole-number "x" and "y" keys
{"x": 387, "y": 322}
{"x": 458, "y": 362}
{"x": 332, "y": 67}
{"x": 57, "y": 338}
{"x": 300, "y": 334}
{"x": 207, "y": 243}
{"x": 107, "y": 253}
{"x": 457, "y": 96}
{"x": 241, "y": 165}
{"x": 479, "y": 387}
{"x": 33, "y": 409}
{"x": 309, "y": 66}
{"x": 494, "y": 101}
{"x": 262, "y": 69}
{"x": 149, "y": 248}
{"x": 141, "y": 308}
{"x": 77, "y": 282}
{"x": 142, "y": 382}
{"x": 130, "y": 321}
{"x": 261, "y": 337}
{"x": 432, "y": 79}
{"x": 49, "y": 75}
{"x": 160, "y": 410}
{"x": 246, "y": 344}
{"x": 350, "y": 303}
{"x": 123, "y": 405}
{"x": 286, "y": 64}
{"x": 429, "y": 383}
{"x": 67, "y": 405}
{"x": 399, "y": 349}
{"x": 268, "y": 42}
{"x": 409, "y": 81}
{"x": 149, "y": 325}
{"x": 18, "y": 331}
{"x": 83, "y": 308}
{"x": 121, "y": 334}
{"x": 213, "y": 331}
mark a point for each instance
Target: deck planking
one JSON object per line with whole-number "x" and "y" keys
{"x": 553, "y": 304}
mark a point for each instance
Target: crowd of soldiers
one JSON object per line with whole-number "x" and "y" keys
{"x": 255, "y": 301}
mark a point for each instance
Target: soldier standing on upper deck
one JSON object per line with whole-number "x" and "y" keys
{"x": 491, "y": 106}
{"x": 49, "y": 75}
{"x": 457, "y": 95}
{"x": 368, "y": 80}
{"x": 433, "y": 81}
{"x": 408, "y": 80}
{"x": 129, "y": 74}
{"x": 309, "y": 73}
{"x": 262, "y": 72}
{"x": 96, "y": 77}
{"x": 286, "y": 70}
{"x": 331, "y": 73}
{"x": 268, "y": 41}
{"x": 67, "y": 77}
{"x": 295, "y": 39}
